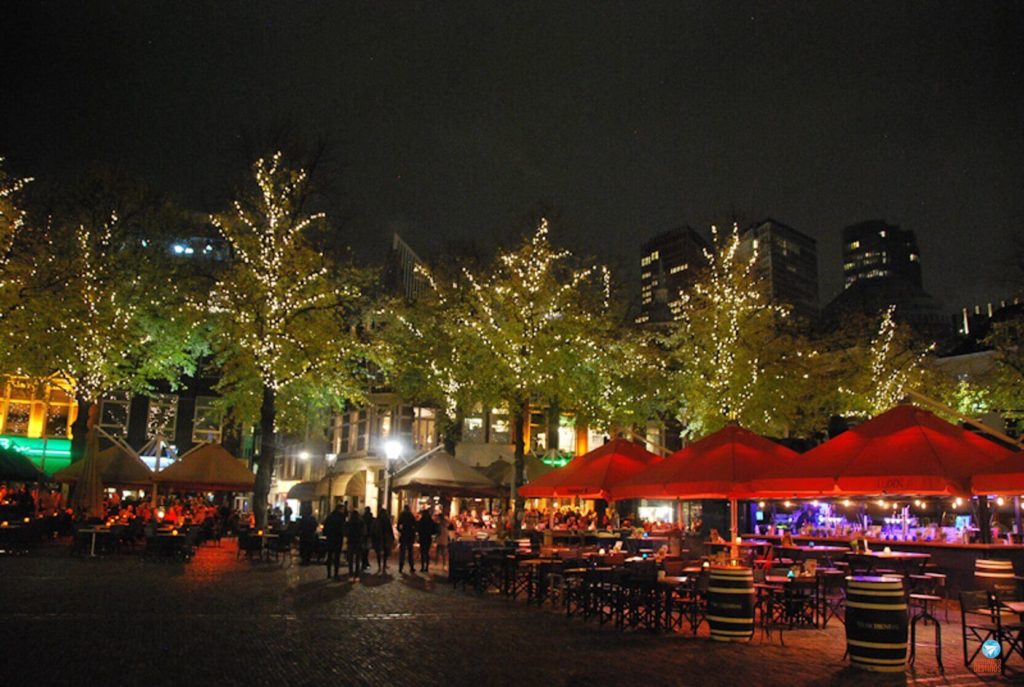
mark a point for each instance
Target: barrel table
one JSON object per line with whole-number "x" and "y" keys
{"x": 993, "y": 575}
{"x": 731, "y": 603}
{"x": 876, "y": 623}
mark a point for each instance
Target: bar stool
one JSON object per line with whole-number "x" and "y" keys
{"x": 940, "y": 589}
{"x": 922, "y": 602}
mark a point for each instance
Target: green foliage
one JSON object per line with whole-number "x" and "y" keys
{"x": 533, "y": 327}
{"x": 95, "y": 305}
{"x": 283, "y": 317}
{"x": 727, "y": 352}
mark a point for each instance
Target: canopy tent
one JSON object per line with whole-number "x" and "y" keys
{"x": 207, "y": 467}
{"x": 502, "y": 471}
{"x": 16, "y": 467}
{"x": 594, "y": 475}
{"x": 342, "y": 484}
{"x": 905, "y": 450}
{"x": 117, "y": 466}
{"x": 1006, "y": 476}
{"x": 442, "y": 473}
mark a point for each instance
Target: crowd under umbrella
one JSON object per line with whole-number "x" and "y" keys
{"x": 723, "y": 465}
{"x": 207, "y": 467}
{"x": 595, "y": 474}
{"x": 88, "y": 494}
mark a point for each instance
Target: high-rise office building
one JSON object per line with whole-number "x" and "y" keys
{"x": 876, "y": 249}
{"x": 882, "y": 267}
{"x": 787, "y": 260}
{"x": 669, "y": 265}
{"x": 400, "y": 270}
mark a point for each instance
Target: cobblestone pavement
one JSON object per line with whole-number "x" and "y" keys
{"x": 122, "y": 620}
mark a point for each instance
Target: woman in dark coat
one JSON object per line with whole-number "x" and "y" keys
{"x": 334, "y": 532}
{"x": 383, "y": 535}
{"x": 425, "y": 528}
{"x": 406, "y": 538}
{"x": 355, "y": 533}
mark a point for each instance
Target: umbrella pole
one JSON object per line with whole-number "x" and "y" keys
{"x": 1016, "y": 516}
{"x": 733, "y": 529}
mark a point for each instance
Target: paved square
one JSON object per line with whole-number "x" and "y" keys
{"x": 123, "y": 620}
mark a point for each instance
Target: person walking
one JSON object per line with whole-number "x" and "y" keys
{"x": 367, "y": 527}
{"x": 406, "y": 538}
{"x": 334, "y": 532}
{"x": 307, "y": 537}
{"x": 425, "y": 530}
{"x": 355, "y": 533}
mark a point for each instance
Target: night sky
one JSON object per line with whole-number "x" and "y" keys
{"x": 458, "y": 120}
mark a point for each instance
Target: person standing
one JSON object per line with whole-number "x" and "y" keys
{"x": 334, "y": 532}
{"x": 307, "y": 537}
{"x": 425, "y": 529}
{"x": 444, "y": 527}
{"x": 355, "y": 533}
{"x": 406, "y": 538}
{"x": 383, "y": 539}
{"x": 367, "y": 528}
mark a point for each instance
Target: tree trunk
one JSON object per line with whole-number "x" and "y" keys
{"x": 265, "y": 460}
{"x": 79, "y": 428}
{"x": 520, "y": 416}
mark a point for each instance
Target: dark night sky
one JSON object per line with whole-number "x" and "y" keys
{"x": 456, "y": 120}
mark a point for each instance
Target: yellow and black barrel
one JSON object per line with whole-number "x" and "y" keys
{"x": 993, "y": 575}
{"x": 731, "y": 603}
{"x": 876, "y": 623}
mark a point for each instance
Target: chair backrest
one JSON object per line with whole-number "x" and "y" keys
{"x": 975, "y": 603}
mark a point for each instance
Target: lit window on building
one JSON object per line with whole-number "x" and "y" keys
{"x": 500, "y": 428}
{"x": 114, "y": 416}
{"x": 424, "y": 428}
{"x": 679, "y": 268}
{"x": 473, "y": 428}
{"x": 913, "y": 257}
{"x": 162, "y": 416}
{"x": 853, "y": 245}
{"x": 207, "y": 421}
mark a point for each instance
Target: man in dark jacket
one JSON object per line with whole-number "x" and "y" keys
{"x": 406, "y": 538}
{"x": 307, "y": 537}
{"x": 355, "y": 532}
{"x": 425, "y": 528}
{"x": 334, "y": 532}
{"x": 367, "y": 528}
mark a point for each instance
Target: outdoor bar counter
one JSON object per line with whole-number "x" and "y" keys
{"x": 954, "y": 559}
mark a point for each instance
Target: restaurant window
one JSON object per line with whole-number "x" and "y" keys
{"x": 163, "y": 415}
{"x": 16, "y": 421}
{"x": 567, "y": 434}
{"x": 114, "y": 416}
{"x": 207, "y": 421}
{"x": 500, "y": 429}
{"x": 538, "y": 432}
{"x": 362, "y": 430}
{"x": 423, "y": 428}
{"x": 473, "y": 428}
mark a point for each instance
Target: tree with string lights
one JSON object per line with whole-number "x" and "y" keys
{"x": 728, "y": 352}
{"x": 533, "y": 328}
{"x": 881, "y": 372}
{"x": 288, "y": 327}
{"x": 95, "y": 306}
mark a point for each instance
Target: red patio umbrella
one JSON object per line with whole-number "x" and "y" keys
{"x": 722, "y": 465}
{"x": 905, "y": 450}
{"x": 594, "y": 475}
{"x": 1004, "y": 477}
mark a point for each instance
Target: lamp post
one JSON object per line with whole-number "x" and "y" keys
{"x": 330, "y": 459}
{"x": 392, "y": 450}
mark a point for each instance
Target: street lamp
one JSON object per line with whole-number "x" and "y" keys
{"x": 392, "y": 450}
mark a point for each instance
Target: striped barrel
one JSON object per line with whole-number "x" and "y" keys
{"x": 876, "y": 623}
{"x": 731, "y": 603}
{"x": 992, "y": 575}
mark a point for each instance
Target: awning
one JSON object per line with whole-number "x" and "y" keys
{"x": 15, "y": 467}
{"x": 303, "y": 491}
{"x": 342, "y": 484}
